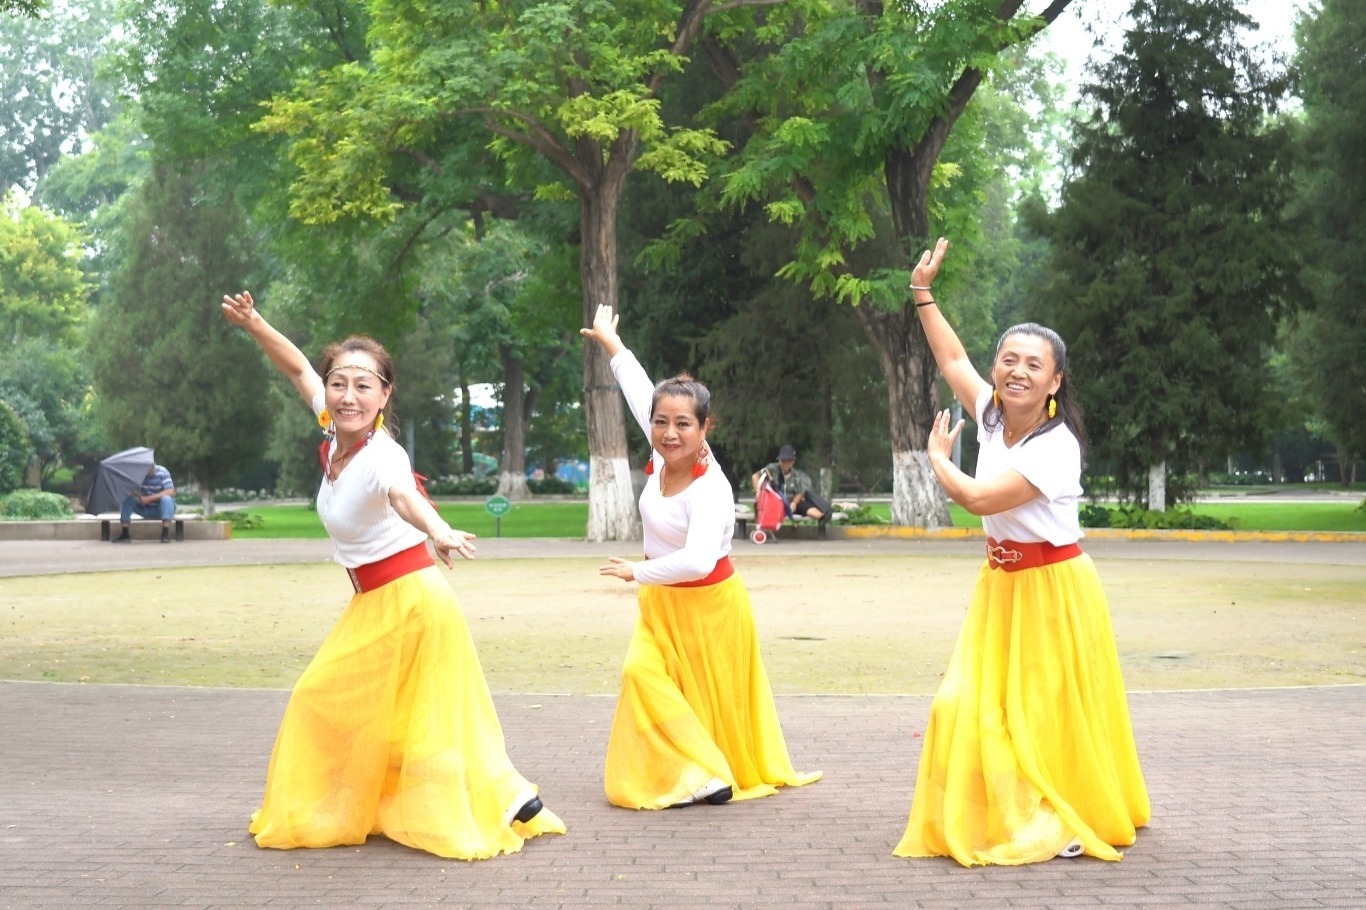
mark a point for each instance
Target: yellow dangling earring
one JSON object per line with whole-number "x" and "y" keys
{"x": 1052, "y": 407}
{"x": 379, "y": 422}
{"x": 996, "y": 399}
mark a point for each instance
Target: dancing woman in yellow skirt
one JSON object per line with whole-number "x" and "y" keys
{"x": 391, "y": 729}
{"x": 695, "y": 721}
{"x": 1029, "y": 753}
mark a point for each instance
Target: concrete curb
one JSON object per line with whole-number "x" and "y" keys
{"x": 868, "y": 532}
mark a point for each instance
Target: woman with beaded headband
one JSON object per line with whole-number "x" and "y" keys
{"x": 695, "y": 721}
{"x": 391, "y": 729}
{"x": 1029, "y": 753}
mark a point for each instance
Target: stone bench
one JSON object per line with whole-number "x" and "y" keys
{"x": 91, "y": 527}
{"x": 110, "y": 520}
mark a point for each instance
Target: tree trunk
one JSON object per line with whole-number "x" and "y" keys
{"x": 207, "y": 504}
{"x": 466, "y": 426}
{"x": 911, "y": 392}
{"x": 512, "y": 466}
{"x": 1157, "y": 487}
{"x": 911, "y": 372}
{"x": 611, "y": 501}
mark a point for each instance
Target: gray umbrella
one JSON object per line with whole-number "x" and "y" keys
{"x": 118, "y": 476}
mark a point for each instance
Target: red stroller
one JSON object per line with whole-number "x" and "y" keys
{"x": 769, "y": 511}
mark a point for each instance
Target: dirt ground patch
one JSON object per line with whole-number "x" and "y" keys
{"x": 836, "y": 625}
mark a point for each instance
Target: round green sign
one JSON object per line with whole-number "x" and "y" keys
{"x": 497, "y": 506}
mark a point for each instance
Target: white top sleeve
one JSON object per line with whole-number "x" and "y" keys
{"x": 1052, "y": 463}
{"x": 355, "y": 509}
{"x": 685, "y": 534}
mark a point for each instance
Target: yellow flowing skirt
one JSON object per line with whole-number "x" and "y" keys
{"x": 695, "y": 703}
{"x": 1029, "y": 743}
{"x": 391, "y": 730}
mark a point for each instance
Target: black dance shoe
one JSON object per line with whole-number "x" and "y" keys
{"x": 714, "y": 792}
{"x": 530, "y": 809}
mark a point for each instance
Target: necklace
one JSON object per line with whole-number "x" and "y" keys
{"x": 1011, "y": 434}
{"x": 332, "y": 467}
{"x": 664, "y": 480}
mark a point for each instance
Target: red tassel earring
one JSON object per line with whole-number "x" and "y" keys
{"x": 650, "y": 465}
{"x": 700, "y": 466}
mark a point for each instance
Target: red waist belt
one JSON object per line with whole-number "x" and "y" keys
{"x": 375, "y": 574}
{"x": 724, "y": 569}
{"x": 1012, "y": 556}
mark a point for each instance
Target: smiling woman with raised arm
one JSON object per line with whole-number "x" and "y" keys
{"x": 1029, "y": 753}
{"x": 391, "y": 729}
{"x": 695, "y": 721}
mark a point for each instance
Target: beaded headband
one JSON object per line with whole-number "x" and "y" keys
{"x": 356, "y": 366}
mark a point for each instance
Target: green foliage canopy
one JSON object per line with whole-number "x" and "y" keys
{"x": 1331, "y": 338}
{"x": 171, "y": 372}
{"x": 1169, "y": 264}
{"x": 15, "y": 450}
{"x": 42, "y": 291}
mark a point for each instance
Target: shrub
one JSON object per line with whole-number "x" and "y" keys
{"x": 1171, "y": 520}
{"x": 858, "y": 515}
{"x": 462, "y": 485}
{"x": 35, "y": 505}
{"x": 15, "y": 448}
{"x": 241, "y": 521}
{"x": 550, "y": 486}
{"x": 1094, "y": 516}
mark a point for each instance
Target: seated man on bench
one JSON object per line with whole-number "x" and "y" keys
{"x": 154, "y": 499}
{"x": 795, "y": 487}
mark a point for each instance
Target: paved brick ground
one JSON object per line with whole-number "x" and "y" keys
{"x": 135, "y": 797}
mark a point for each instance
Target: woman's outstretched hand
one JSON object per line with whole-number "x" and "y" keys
{"x": 927, "y": 269}
{"x": 619, "y": 568}
{"x": 942, "y": 437}
{"x": 604, "y": 330}
{"x": 452, "y": 541}
{"x": 239, "y": 309}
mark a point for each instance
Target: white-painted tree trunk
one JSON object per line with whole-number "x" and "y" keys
{"x": 207, "y": 503}
{"x": 1157, "y": 487}
{"x": 512, "y": 484}
{"x": 917, "y": 498}
{"x": 610, "y": 496}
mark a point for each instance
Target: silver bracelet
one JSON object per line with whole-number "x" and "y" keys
{"x": 916, "y": 287}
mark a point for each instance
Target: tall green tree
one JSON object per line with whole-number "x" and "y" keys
{"x": 568, "y": 95}
{"x": 170, "y": 372}
{"x": 863, "y": 134}
{"x": 48, "y": 385}
{"x": 42, "y": 291}
{"x": 52, "y": 91}
{"x": 1330, "y": 337}
{"x": 1169, "y": 263}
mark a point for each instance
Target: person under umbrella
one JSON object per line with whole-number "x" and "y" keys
{"x": 154, "y": 498}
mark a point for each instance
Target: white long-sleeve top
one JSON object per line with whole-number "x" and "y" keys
{"x": 687, "y": 533}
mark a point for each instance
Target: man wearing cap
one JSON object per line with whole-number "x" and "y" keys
{"x": 794, "y": 485}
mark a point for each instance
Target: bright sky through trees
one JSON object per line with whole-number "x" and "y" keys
{"x": 1071, "y": 36}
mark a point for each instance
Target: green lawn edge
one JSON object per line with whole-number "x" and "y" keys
{"x": 568, "y": 518}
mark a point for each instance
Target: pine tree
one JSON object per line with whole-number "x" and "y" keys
{"x": 1168, "y": 261}
{"x": 169, "y": 371}
{"x": 1331, "y": 337}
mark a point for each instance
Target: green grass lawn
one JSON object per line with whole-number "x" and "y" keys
{"x": 550, "y": 519}
{"x": 1242, "y": 516}
{"x": 567, "y": 519}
